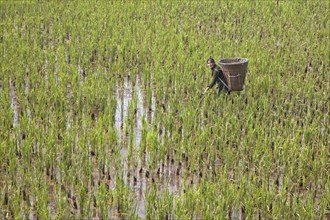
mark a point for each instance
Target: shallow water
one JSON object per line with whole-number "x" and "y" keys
{"x": 167, "y": 174}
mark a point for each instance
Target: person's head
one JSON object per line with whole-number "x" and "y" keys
{"x": 210, "y": 62}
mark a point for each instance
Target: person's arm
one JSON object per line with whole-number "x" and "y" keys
{"x": 215, "y": 79}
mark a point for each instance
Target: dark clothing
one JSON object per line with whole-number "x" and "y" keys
{"x": 217, "y": 74}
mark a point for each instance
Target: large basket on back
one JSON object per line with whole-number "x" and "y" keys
{"x": 235, "y": 70}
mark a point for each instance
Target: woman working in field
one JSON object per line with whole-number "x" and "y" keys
{"x": 218, "y": 77}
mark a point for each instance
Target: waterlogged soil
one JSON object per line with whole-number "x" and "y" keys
{"x": 138, "y": 178}
{"x": 169, "y": 174}
{"x": 124, "y": 96}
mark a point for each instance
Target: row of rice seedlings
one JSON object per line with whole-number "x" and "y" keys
{"x": 176, "y": 113}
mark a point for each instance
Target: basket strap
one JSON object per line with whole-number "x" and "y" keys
{"x": 224, "y": 83}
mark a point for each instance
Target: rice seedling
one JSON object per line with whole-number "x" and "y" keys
{"x": 101, "y": 114}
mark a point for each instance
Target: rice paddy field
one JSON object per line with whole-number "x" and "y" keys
{"x": 101, "y": 115}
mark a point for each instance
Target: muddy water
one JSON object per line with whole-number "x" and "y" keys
{"x": 138, "y": 178}
{"x": 124, "y": 96}
{"x": 139, "y": 111}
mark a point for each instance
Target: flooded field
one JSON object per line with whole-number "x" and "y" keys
{"x": 103, "y": 116}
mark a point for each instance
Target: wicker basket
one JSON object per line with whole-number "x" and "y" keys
{"x": 235, "y": 70}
